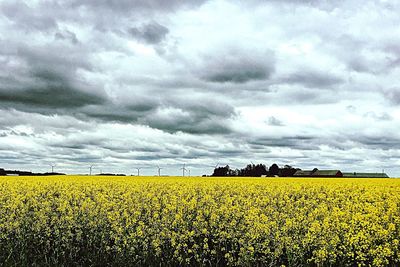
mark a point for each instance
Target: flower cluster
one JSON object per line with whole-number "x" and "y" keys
{"x": 148, "y": 221}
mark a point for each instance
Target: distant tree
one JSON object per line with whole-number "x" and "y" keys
{"x": 259, "y": 170}
{"x": 252, "y": 170}
{"x": 287, "y": 171}
{"x": 273, "y": 170}
{"x": 2, "y": 172}
{"x": 234, "y": 172}
{"x": 222, "y": 171}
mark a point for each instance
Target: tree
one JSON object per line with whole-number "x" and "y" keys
{"x": 222, "y": 171}
{"x": 273, "y": 170}
{"x": 252, "y": 170}
{"x": 287, "y": 171}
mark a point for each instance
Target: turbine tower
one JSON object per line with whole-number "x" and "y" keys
{"x": 52, "y": 167}
{"x": 183, "y": 169}
{"x": 138, "y": 171}
{"x": 159, "y": 170}
{"x": 90, "y": 170}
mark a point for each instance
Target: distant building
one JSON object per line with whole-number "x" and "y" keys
{"x": 327, "y": 173}
{"x": 303, "y": 173}
{"x": 318, "y": 173}
{"x": 365, "y": 175}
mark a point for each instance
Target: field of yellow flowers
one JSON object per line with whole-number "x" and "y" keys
{"x": 148, "y": 221}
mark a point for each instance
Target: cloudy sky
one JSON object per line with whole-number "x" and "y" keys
{"x": 139, "y": 83}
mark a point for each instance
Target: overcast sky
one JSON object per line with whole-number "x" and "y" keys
{"x": 120, "y": 84}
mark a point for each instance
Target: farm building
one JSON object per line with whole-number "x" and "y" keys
{"x": 303, "y": 173}
{"x": 365, "y": 175}
{"x": 318, "y": 173}
{"x": 327, "y": 173}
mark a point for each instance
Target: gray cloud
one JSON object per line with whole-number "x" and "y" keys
{"x": 202, "y": 116}
{"x": 294, "y": 142}
{"x": 377, "y": 141}
{"x": 51, "y": 91}
{"x": 66, "y": 35}
{"x": 26, "y": 18}
{"x": 393, "y": 95}
{"x": 151, "y": 33}
{"x": 274, "y": 121}
{"x": 127, "y": 6}
{"x": 313, "y": 79}
{"x": 237, "y": 66}
{"x": 378, "y": 116}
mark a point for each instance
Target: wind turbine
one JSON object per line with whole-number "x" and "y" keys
{"x": 52, "y": 167}
{"x": 189, "y": 172}
{"x": 214, "y": 167}
{"x": 90, "y": 170}
{"x": 159, "y": 170}
{"x": 138, "y": 171}
{"x": 183, "y": 169}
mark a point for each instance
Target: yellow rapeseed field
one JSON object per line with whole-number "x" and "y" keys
{"x": 149, "y": 221}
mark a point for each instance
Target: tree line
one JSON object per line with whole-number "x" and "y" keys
{"x": 256, "y": 170}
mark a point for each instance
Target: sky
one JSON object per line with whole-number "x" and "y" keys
{"x": 146, "y": 83}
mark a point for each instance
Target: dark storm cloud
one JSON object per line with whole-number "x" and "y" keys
{"x": 188, "y": 124}
{"x": 151, "y": 33}
{"x": 237, "y": 66}
{"x": 112, "y": 112}
{"x": 53, "y": 94}
{"x": 46, "y": 81}
{"x": 56, "y": 58}
{"x": 52, "y": 91}
{"x": 171, "y": 113}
